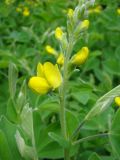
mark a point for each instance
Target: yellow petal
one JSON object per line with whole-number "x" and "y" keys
{"x": 39, "y": 85}
{"x": 40, "y": 70}
{"x": 60, "y": 59}
{"x": 81, "y": 56}
{"x": 52, "y": 75}
{"x": 117, "y": 101}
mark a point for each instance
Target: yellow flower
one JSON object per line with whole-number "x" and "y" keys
{"x": 70, "y": 13}
{"x": 85, "y": 24}
{"x": 60, "y": 59}
{"x": 48, "y": 77}
{"x": 58, "y": 33}
{"x": 117, "y": 101}
{"x": 26, "y": 12}
{"x": 118, "y": 11}
{"x": 50, "y": 50}
{"x": 81, "y": 56}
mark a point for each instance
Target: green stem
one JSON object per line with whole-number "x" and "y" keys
{"x": 90, "y": 138}
{"x": 62, "y": 112}
{"x": 62, "y": 93}
{"x": 37, "y": 101}
{"x": 34, "y": 147}
{"x": 62, "y": 115}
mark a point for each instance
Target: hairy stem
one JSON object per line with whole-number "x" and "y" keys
{"x": 63, "y": 92}
{"x": 90, "y": 138}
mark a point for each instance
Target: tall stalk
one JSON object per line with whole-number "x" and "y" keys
{"x": 62, "y": 93}
{"x": 75, "y": 28}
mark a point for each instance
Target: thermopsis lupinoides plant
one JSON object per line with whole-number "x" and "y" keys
{"x": 52, "y": 78}
{"x": 49, "y": 76}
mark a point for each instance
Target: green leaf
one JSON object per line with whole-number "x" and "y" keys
{"x": 25, "y": 150}
{"x": 37, "y": 124}
{"x": 9, "y": 130}
{"x": 103, "y": 103}
{"x": 45, "y": 142}
{"x": 11, "y": 112}
{"x": 44, "y": 139}
{"x": 82, "y": 96}
{"x": 107, "y": 157}
{"x": 94, "y": 156}
{"x": 27, "y": 120}
{"x": 112, "y": 66}
{"x": 71, "y": 121}
{"x": 12, "y": 78}
{"x": 5, "y": 153}
{"x": 62, "y": 142}
{"x": 52, "y": 151}
{"x": 49, "y": 106}
{"x": 114, "y": 134}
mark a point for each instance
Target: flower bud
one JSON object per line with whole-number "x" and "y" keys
{"x": 85, "y": 24}
{"x": 97, "y": 9}
{"x": 50, "y": 50}
{"x": 70, "y": 13}
{"x": 60, "y": 59}
{"x": 117, "y": 101}
{"x": 80, "y": 57}
{"x": 118, "y": 11}
{"x": 58, "y": 33}
{"x": 26, "y": 12}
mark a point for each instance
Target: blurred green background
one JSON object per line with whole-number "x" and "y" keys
{"x": 26, "y": 27}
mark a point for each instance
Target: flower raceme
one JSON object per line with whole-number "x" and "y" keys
{"x": 117, "y": 101}
{"x": 48, "y": 78}
{"x": 80, "y": 57}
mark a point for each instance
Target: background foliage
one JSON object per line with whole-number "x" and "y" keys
{"x": 22, "y": 46}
